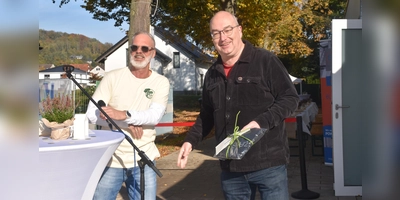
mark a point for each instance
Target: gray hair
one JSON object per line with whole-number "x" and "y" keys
{"x": 145, "y": 33}
{"x": 232, "y": 15}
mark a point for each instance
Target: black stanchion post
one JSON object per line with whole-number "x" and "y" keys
{"x": 141, "y": 166}
{"x": 304, "y": 193}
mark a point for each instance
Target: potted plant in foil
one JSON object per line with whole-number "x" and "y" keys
{"x": 57, "y": 115}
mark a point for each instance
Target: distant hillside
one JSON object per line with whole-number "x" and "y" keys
{"x": 63, "y": 48}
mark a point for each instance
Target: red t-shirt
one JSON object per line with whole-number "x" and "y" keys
{"x": 227, "y": 69}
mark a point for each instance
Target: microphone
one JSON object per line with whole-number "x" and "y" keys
{"x": 103, "y": 104}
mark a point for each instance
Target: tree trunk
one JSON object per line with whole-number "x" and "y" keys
{"x": 139, "y": 17}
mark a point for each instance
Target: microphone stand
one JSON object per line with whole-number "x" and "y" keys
{"x": 144, "y": 159}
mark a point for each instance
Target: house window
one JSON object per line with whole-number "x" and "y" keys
{"x": 177, "y": 60}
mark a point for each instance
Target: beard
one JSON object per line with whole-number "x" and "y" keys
{"x": 140, "y": 64}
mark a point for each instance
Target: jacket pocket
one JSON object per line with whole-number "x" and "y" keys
{"x": 250, "y": 91}
{"x": 214, "y": 92}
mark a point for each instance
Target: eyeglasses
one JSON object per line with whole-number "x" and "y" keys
{"x": 215, "y": 34}
{"x": 144, "y": 49}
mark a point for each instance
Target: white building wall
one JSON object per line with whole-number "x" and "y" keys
{"x": 156, "y": 66}
{"x": 80, "y": 78}
{"x": 53, "y": 75}
{"x": 117, "y": 59}
{"x": 185, "y": 78}
{"x": 97, "y": 70}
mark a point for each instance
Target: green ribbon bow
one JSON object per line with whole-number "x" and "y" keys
{"x": 235, "y": 137}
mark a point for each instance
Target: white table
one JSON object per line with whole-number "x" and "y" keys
{"x": 307, "y": 113}
{"x": 70, "y": 169}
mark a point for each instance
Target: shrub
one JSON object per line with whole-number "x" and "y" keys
{"x": 57, "y": 109}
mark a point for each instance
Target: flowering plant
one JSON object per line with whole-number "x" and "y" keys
{"x": 57, "y": 109}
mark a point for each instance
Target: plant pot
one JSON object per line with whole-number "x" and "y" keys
{"x": 59, "y": 131}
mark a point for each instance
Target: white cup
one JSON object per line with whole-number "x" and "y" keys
{"x": 81, "y": 127}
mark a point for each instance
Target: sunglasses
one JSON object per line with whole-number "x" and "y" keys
{"x": 144, "y": 49}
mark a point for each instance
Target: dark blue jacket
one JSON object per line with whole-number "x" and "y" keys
{"x": 260, "y": 88}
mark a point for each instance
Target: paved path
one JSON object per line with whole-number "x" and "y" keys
{"x": 200, "y": 179}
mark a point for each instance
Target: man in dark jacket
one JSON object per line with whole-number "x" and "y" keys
{"x": 255, "y": 82}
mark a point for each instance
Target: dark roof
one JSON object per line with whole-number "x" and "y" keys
{"x": 111, "y": 50}
{"x": 83, "y": 67}
{"x": 60, "y": 69}
{"x": 164, "y": 58}
{"x": 159, "y": 55}
{"x": 45, "y": 66}
{"x": 172, "y": 40}
{"x": 183, "y": 44}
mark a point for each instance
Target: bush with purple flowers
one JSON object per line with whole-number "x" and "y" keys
{"x": 57, "y": 109}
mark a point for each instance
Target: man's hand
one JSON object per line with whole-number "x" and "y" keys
{"x": 252, "y": 124}
{"x": 184, "y": 154}
{"x": 136, "y": 131}
{"x": 113, "y": 113}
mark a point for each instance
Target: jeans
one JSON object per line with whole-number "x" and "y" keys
{"x": 272, "y": 184}
{"x": 112, "y": 178}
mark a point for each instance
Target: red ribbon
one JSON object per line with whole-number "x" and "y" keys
{"x": 176, "y": 124}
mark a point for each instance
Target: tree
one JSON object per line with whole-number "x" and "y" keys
{"x": 63, "y": 48}
{"x": 289, "y": 28}
{"x": 280, "y": 26}
{"x": 140, "y": 17}
{"x": 135, "y": 12}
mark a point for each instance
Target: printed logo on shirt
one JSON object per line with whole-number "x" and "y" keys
{"x": 149, "y": 93}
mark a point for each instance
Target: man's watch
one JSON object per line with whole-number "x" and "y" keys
{"x": 128, "y": 114}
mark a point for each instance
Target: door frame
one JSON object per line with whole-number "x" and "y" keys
{"x": 338, "y": 25}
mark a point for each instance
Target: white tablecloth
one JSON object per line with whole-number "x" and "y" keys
{"x": 70, "y": 169}
{"x": 308, "y": 113}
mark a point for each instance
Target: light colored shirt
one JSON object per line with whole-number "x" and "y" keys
{"x": 146, "y": 99}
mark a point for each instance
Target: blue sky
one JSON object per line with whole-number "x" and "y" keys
{"x": 17, "y": 14}
{"x": 71, "y": 18}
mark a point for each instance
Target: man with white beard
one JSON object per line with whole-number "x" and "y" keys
{"x": 136, "y": 99}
